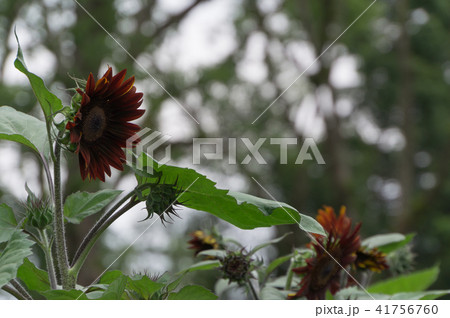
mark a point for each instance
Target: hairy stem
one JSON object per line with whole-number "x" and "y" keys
{"x": 47, "y": 248}
{"x": 13, "y": 292}
{"x": 97, "y": 225}
{"x": 21, "y": 289}
{"x": 92, "y": 237}
{"x": 60, "y": 240}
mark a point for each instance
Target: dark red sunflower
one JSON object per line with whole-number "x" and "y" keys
{"x": 102, "y": 125}
{"x": 322, "y": 271}
{"x": 370, "y": 259}
{"x": 202, "y": 242}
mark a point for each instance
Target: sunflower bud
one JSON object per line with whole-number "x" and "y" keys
{"x": 162, "y": 200}
{"x": 38, "y": 211}
{"x": 237, "y": 267}
{"x": 402, "y": 260}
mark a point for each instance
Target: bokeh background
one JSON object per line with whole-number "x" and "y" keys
{"x": 377, "y": 103}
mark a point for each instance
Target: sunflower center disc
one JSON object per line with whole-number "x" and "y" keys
{"x": 94, "y": 124}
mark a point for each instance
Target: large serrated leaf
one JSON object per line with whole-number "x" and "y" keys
{"x": 80, "y": 205}
{"x": 25, "y": 129}
{"x": 200, "y": 193}
{"x": 16, "y": 250}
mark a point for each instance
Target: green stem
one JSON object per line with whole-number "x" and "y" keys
{"x": 60, "y": 240}
{"x": 93, "y": 236}
{"x": 13, "y": 292}
{"x": 47, "y": 248}
{"x": 48, "y": 175}
{"x": 21, "y": 289}
{"x": 252, "y": 290}
{"x": 289, "y": 274}
{"x": 33, "y": 237}
{"x": 97, "y": 225}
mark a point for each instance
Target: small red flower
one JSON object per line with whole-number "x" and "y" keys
{"x": 202, "y": 242}
{"x": 102, "y": 125}
{"x": 336, "y": 250}
{"x": 372, "y": 260}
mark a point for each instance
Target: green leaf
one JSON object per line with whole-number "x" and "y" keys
{"x": 270, "y": 293}
{"x": 387, "y": 242}
{"x": 116, "y": 289}
{"x": 59, "y": 294}
{"x": 17, "y": 248}
{"x": 193, "y": 292}
{"x": 7, "y": 218}
{"x": 214, "y": 253}
{"x": 8, "y": 223}
{"x": 413, "y": 282}
{"x": 382, "y": 239}
{"x": 354, "y": 293}
{"x": 49, "y": 102}
{"x": 6, "y": 233}
{"x": 25, "y": 129}
{"x": 274, "y": 241}
{"x": 425, "y": 295}
{"x": 109, "y": 277}
{"x": 201, "y": 266}
{"x": 310, "y": 225}
{"x": 173, "y": 284}
{"x": 80, "y": 205}
{"x": 396, "y": 245}
{"x": 242, "y": 210}
{"x": 33, "y": 277}
{"x": 277, "y": 262}
{"x": 144, "y": 286}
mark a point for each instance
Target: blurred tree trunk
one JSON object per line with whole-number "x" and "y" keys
{"x": 405, "y": 102}
{"x": 337, "y": 165}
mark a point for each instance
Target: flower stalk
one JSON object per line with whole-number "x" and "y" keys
{"x": 252, "y": 290}
{"x": 21, "y": 289}
{"x": 47, "y": 248}
{"x": 60, "y": 240}
{"x": 96, "y": 231}
{"x": 12, "y": 291}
